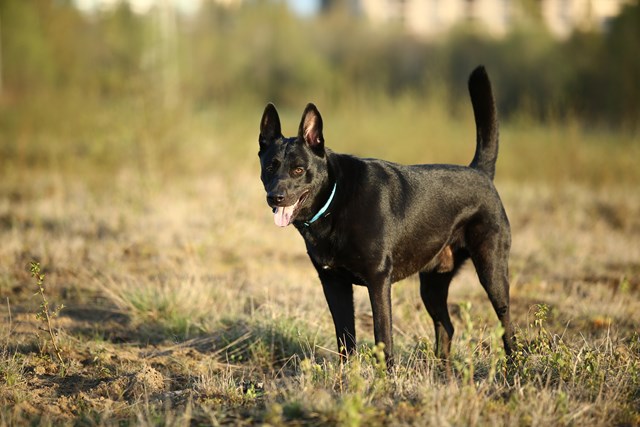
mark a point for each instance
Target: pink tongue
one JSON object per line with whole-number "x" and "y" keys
{"x": 282, "y": 215}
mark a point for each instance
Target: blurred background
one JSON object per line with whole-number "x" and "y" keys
{"x": 129, "y": 171}
{"x": 89, "y": 81}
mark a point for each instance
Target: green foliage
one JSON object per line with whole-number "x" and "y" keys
{"x": 605, "y": 82}
{"x": 12, "y": 369}
{"x": 544, "y": 359}
{"x": 262, "y": 51}
{"x": 28, "y": 61}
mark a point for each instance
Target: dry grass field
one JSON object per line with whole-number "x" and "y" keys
{"x": 185, "y": 305}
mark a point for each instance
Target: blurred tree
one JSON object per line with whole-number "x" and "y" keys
{"x": 117, "y": 51}
{"x": 1, "y": 67}
{"x": 27, "y": 57}
{"x": 262, "y": 51}
{"x": 345, "y": 7}
{"x": 167, "y": 52}
{"x": 606, "y": 69}
{"x": 617, "y": 69}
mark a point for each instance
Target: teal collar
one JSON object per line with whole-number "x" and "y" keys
{"x": 322, "y": 209}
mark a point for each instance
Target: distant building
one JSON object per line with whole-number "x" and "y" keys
{"x": 430, "y": 18}
{"x": 564, "y": 16}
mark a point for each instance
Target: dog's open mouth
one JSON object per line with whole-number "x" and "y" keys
{"x": 284, "y": 215}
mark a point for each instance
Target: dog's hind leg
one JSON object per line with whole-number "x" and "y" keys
{"x": 434, "y": 290}
{"x": 339, "y": 295}
{"x": 490, "y": 257}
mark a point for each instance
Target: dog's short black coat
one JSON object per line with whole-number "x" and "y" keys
{"x": 380, "y": 222}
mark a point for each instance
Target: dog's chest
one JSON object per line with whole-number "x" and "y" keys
{"x": 323, "y": 253}
{"x": 328, "y": 254}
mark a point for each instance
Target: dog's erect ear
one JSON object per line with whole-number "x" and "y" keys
{"x": 311, "y": 128}
{"x": 269, "y": 126}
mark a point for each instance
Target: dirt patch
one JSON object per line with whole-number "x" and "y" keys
{"x": 146, "y": 382}
{"x": 96, "y": 378}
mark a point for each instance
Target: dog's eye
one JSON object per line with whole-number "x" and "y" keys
{"x": 297, "y": 171}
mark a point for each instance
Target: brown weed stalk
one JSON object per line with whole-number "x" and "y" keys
{"x": 44, "y": 314}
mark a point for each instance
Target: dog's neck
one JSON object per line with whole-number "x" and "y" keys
{"x": 324, "y": 208}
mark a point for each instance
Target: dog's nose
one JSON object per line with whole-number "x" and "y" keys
{"x": 275, "y": 198}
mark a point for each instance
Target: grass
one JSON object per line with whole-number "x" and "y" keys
{"x": 185, "y": 305}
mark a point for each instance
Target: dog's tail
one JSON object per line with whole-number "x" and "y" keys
{"x": 484, "y": 110}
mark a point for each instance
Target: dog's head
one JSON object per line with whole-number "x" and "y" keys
{"x": 294, "y": 170}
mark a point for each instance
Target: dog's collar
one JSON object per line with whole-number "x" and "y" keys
{"x": 322, "y": 209}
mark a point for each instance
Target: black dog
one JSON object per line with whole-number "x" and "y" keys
{"x": 371, "y": 222}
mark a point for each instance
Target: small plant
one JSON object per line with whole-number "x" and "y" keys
{"x": 497, "y": 351}
{"x": 12, "y": 368}
{"x": 541, "y": 315}
{"x": 45, "y": 315}
{"x": 467, "y": 364}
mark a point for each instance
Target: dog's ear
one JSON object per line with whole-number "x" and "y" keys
{"x": 311, "y": 128}
{"x": 269, "y": 126}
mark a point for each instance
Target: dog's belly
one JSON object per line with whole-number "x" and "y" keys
{"x": 441, "y": 261}
{"x": 358, "y": 268}
{"x": 415, "y": 255}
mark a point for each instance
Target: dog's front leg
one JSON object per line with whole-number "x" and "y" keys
{"x": 380, "y": 296}
{"x": 339, "y": 294}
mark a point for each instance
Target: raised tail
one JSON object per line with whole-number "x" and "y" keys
{"x": 484, "y": 111}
